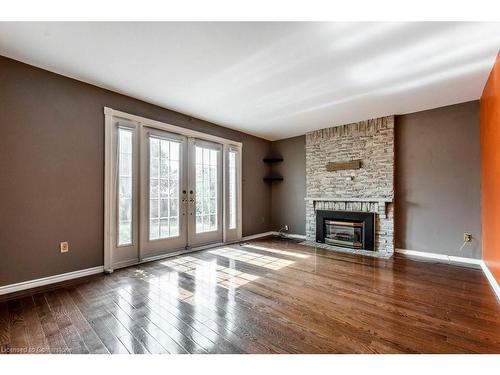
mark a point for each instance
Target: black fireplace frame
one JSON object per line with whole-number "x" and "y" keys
{"x": 367, "y": 218}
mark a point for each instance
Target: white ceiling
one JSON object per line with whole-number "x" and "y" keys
{"x": 274, "y": 80}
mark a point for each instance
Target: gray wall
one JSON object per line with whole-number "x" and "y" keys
{"x": 288, "y": 205}
{"x": 437, "y": 180}
{"x": 51, "y": 163}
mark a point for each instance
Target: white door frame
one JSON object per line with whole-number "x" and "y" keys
{"x": 111, "y": 117}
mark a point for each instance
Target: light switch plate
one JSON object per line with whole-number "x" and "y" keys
{"x": 64, "y": 247}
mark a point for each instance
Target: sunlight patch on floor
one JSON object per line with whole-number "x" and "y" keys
{"x": 213, "y": 274}
{"x": 168, "y": 287}
{"x": 260, "y": 260}
{"x": 276, "y": 251}
{"x": 210, "y": 272}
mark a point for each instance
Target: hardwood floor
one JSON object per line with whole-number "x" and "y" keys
{"x": 269, "y": 296}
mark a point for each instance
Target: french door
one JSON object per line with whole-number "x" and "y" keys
{"x": 205, "y": 193}
{"x": 163, "y": 198}
{"x": 167, "y": 191}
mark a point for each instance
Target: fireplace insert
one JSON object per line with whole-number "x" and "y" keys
{"x": 354, "y": 230}
{"x": 344, "y": 233}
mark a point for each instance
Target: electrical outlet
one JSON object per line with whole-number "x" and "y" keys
{"x": 64, "y": 247}
{"x": 467, "y": 237}
{"x": 286, "y": 227}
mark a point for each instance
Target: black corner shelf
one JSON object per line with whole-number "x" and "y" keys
{"x": 274, "y": 159}
{"x": 272, "y": 179}
{"x": 272, "y": 175}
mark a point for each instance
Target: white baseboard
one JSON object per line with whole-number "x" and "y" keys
{"x": 182, "y": 252}
{"x": 491, "y": 279}
{"x": 258, "y": 235}
{"x": 450, "y": 258}
{"x": 274, "y": 233}
{"x": 49, "y": 280}
{"x": 291, "y": 235}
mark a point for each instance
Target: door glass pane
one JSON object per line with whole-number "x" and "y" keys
{"x": 206, "y": 189}
{"x": 164, "y": 180}
{"x": 125, "y": 137}
{"x": 232, "y": 189}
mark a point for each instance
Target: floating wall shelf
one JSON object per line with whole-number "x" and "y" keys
{"x": 273, "y": 159}
{"x": 273, "y": 176}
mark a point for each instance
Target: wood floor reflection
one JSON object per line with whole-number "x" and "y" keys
{"x": 267, "y": 296}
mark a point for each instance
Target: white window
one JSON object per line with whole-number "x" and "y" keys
{"x": 232, "y": 189}
{"x": 206, "y": 189}
{"x": 164, "y": 181}
{"x": 125, "y": 201}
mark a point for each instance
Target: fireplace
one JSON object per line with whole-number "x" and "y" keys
{"x": 353, "y": 230}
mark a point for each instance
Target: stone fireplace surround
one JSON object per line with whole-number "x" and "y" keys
{"x": 368, "y": 189}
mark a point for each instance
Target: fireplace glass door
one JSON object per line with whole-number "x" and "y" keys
{"x": 344, "y": 233}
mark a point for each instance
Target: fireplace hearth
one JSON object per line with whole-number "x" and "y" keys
{"x": 347, "y": 229}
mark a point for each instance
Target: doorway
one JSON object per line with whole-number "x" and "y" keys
{"x": 168, "y": 190}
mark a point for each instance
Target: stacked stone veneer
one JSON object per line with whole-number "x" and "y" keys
{"x": 369, "y": 189}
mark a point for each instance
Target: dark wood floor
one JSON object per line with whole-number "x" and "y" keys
{"x": 271, "y": 296}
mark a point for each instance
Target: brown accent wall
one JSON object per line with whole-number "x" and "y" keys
{"x": 437, "y": 180}
{"x": 288, "y": 205}
{"x": 52, "y": 171}
{"x": 490, "y": 170}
